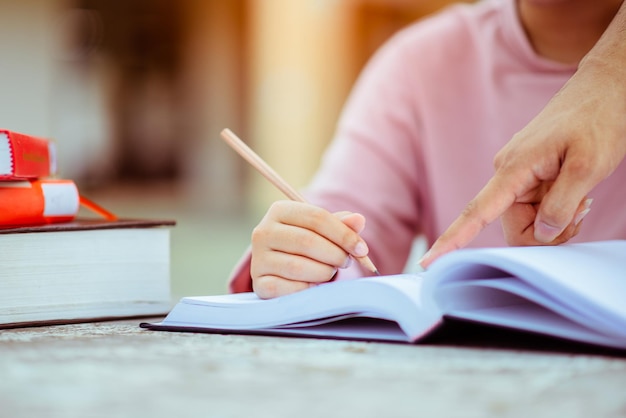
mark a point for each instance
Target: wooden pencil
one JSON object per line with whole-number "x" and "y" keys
{"x": 268, "y": 172}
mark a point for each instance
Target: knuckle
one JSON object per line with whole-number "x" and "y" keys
{"x": 259, "y": 234}
{"x": 278, "y": 206}
{"x": 555, "y": 215}
{"x": 307, "y": 240}
{"x": 469, "y": 209}
{"x": 278, "y": 209}
{"x": 469, "y": 213}
{"x": 265, "y": 287}
{"x": 499, "y": 160}
{"x": 317, "y": 218}
{"x": 504, "y": 156}
{"x": 581, "y": 167}
{"x": 293, "y": 268}
{"x": 587, "y": 170}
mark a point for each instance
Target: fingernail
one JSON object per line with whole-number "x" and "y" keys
{"x": 546, "y": 233}
{"x": 588, "y": 203}
{"x": 579, "y": 217}
{"x": 361, "y": 249}
{"x": 346, "y": 263}
{"x": 424, "y": 257}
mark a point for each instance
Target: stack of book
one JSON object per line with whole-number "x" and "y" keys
{"x": 56, "y": 267}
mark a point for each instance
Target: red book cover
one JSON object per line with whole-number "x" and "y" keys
{"x": 37, "y": 202}
{"x": 25, "y": 156}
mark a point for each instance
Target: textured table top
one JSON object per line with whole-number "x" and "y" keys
{"x": 116, "y": 369}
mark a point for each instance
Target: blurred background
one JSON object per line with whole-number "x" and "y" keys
{"x": 136, "y": 92}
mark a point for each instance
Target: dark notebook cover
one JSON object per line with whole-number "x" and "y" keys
{"x": 81, "y": 224}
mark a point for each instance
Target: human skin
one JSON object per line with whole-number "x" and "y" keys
{"x": 299, "y": 245}
{"x": 543, "y": 175}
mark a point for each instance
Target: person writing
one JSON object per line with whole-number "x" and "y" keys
{"x": 417, "y": 140}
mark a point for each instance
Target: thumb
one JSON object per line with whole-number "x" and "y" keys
{"x": 560, "y": 204}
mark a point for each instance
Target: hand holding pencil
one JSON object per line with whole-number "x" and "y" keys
{"x": 297, "y": 244}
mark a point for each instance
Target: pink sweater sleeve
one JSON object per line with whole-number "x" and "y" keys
{"x": 240, "y": 280}
{"x": 418, "y": 134}
{"x": 374, "y": 164}
{"x": 372, "y": 167}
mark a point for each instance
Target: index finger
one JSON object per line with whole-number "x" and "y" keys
{"x": 325, "y": 224}
{"x": 491, "y": 202}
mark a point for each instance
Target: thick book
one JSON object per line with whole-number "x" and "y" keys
{"x": 25, "y": 156}
{"x": 84, "y": 270}
{"x": 38, "y": 202}
{"x": 573, "y": 292}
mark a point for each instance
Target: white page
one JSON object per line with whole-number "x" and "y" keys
{"x": 529, "y": 317}
{"x": 456, "y": 295}
{"x": 393, "y": 298}
{"x": 589, "y": 275}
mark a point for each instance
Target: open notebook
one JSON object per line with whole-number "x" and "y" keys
{"x": 574, "y": 291}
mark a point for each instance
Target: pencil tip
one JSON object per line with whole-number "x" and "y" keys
{"x": 376, "y": 272}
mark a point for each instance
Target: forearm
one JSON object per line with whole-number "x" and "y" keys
{"x": 608, "y": 56}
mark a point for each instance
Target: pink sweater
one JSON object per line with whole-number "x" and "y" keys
{"x": 419, "y": 132}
